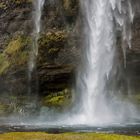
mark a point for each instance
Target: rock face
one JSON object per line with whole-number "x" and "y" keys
{"x": 59, "y": 51}
{"x": 133, "y": 55}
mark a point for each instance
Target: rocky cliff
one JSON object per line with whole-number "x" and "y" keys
{"x": 59, "y": 49}
{"x": 133, "y": 54}
{"x": 57, "y": 45}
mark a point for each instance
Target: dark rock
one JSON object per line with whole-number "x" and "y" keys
{"x": 133, "y": 56}
{"x": 54, "y": 78}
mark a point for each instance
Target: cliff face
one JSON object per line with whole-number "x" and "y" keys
{"x": 133, "y": 54}
{"x": 59, "y": 51}
{"x": 15, "y": 25}
{"x": 57, "y": 46}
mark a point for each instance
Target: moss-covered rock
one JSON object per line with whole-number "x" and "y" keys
{"x": 71, "y": 8}
{"x": 21, "y": 1}
{"x": 4, "y": 5}
{"x": 16, "y": 28}
{"x": 57, "y": 99}
{"x": 15, "y": 54}
{"x": 4, "y": 63}
{"x": 3, "y": 109}
{"x": 50, "y": 44}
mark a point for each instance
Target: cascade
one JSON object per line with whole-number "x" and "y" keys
{"x": 103, "y": 19}
{"x": 38, "y": 6}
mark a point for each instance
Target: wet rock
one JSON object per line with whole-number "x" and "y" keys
{"x": 50, "y": 45}
{"x": 54, "y": 78}
{"x": 133, "y": 56}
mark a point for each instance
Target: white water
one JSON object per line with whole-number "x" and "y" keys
{"x": 38, "y": 6}
{"x": 97, "y": 103}
{"x": 96, "y": 106}
{"x": 102, "y": 20}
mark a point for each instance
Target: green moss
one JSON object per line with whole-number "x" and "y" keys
{"x": 21, "y": 1}
{"x": 17, "y": 44}
{"x": 2, "y": 5}
{"x": 7, "y": 4}
{"x": 20, "y": 59}
{"x": 14, "y": 46}
{"x": 4, "y": 63}
{"x": 64, "y": 136}
{"x": 54, "y": 101}
{"x": 71, "y": 8}
{"x": 70, "y": 5}
{"x": 57, "y": 99}
{"x": 3, "y": 108}
{"x": 52, "y": 43}
{"x": 16, "y": 53}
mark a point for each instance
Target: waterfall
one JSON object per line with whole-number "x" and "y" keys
{"x": 103, "y": 19}
{"x": 38, "y": 6}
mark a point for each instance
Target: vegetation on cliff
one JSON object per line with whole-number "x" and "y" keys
{"x": 51, "y": 43}
{"x": 15, "y": 54}
{"x": 57, "y": 99}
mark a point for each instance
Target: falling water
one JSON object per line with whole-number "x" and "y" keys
{"x": 103, "y": 19}
{"x": 96, "y": 101}
{"x": 38, "y": 5}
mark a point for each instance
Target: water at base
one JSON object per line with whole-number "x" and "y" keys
{"x": 130, "y": 129}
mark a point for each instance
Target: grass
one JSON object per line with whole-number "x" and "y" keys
{"x": 64, "y": 136}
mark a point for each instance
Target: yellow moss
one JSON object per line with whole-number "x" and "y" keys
{"x": 66, "y": 4}
{"x": 14, "y": 46}
{"x": 52, "y": 50}
{"x": 4, "y": 67}
{"x": 4, "y": 64}
{"x": 53, "y": 39}
{"x": 3, "y": 108}
{"x": 54, "y": 101}
{"x": 64, "y": 136}
{"x": 16, "y": 53}
{"x": 2, "y": 5}
{"x": 21, "y": 1}
{"x": 20, "y": 58}
{"x": 51, "y": 43}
